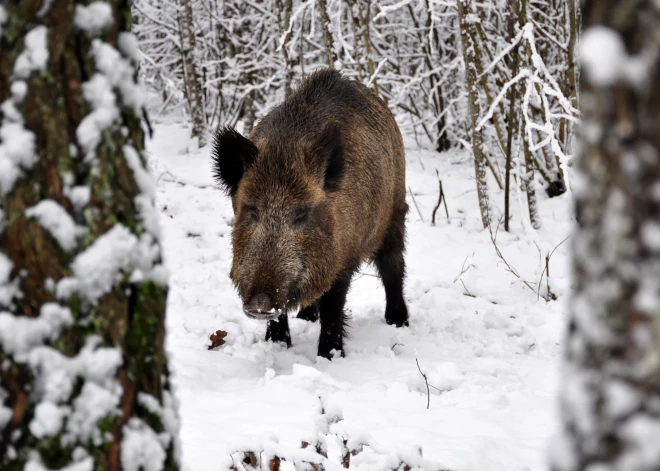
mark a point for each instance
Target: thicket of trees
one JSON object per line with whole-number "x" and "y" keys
{"x": 229, "y": 61}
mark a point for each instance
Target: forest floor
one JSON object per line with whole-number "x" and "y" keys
{"x": 488, "y": 344}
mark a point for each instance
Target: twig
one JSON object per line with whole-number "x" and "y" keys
{"x": 428, "y": 391}
{"x": 441, "y": 198}
{"x": 414, "y": 201}
{"x": 463, "y": 269}
{"x": 467, "y": 291}
{"x": 509, "y": 268}
{"x": 546, "y": 272}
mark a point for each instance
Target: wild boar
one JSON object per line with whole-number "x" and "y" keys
{"x": 317, "y": 189}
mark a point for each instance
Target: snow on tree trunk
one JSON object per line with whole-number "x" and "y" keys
{"x": 192, "y": 79}
{"x": 83, "y": 378}
{"x": 610, "y": 399}
{"x": 474, "y": 108}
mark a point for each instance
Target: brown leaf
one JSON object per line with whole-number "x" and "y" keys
{"x": 274, "y": 463}
{"x": 217, "y": 339}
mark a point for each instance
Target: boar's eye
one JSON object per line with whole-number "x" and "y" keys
{"x": 250, "y": 213}
{"x": 301, "y": 215}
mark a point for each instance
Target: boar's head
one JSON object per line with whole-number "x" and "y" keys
{"x": 282, "y": 192}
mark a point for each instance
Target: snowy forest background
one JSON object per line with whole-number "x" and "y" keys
{"x": 230, "y": 62}
{"x": 533, "y": 239}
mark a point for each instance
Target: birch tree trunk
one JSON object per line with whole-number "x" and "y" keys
{"x": 284, "y": 8}
{"x": 610, "y": 400}
{"x": 193, "y": 81}
{"x": 84, "y": 379}
{"x": 474, "y": 109}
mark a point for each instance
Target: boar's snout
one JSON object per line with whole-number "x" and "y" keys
{"x": 260, "y": 307}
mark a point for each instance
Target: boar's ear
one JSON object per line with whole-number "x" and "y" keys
{"x": 231, "y": 155}
{"x": 330, "y": 151}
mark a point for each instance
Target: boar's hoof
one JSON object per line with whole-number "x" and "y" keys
{"x": 278, "y": 331}
{"x": 398, "y": 324}
{"x": 397, "y": 317}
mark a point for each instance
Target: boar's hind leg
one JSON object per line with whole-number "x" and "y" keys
{"x": 392, "y": 268}
{"x": 278, "y": 331}
{"x": 310, "y": 313}
{"x": 333, "y": 319}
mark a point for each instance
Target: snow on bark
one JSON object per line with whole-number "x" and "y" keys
{"x": 18, "y": 335}
{"x": 35, "y": 55}
{"x": 115, "y": 254}
{"x": 54, "y": 218}
{"x": 98, "y": 93}
{"x": 17, "y": 146}
{"x": 141, "y": 448}
{"x": 93, "y": 18}
{"x": 8, "y": 287}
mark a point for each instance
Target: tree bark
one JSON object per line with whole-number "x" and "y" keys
{"x": 474, "y": 109}
{"x": 611, "y": 390}
{"x": 327, "y": 35}
{"x": 84, "y": 377}
{"x": 512, "y": 121}
{"x": 193, "y": 81}
{"x": 284, "y": 8}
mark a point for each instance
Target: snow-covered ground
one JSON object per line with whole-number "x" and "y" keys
{"x": 489, "y": 345}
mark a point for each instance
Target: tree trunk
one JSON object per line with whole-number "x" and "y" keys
{"x": 192, "y": 79}
{"x": 327, "y": 35}
{"x": 474, "y": 109}
{"x": 512, "y": 119}
{"x": 611, "y": 391}
{"x": 284, "y": 8}
{"x": 84, "y": 378}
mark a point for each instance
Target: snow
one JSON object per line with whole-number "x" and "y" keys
{"x": 144, "y": 201}
{"x": 642, "y": 451}
{"x": 48, "y": 419}
{"x": 18, "y": 334}
{"x": 602, "y": 55}
{"x": 8, "y": 288}
{"x": 86, "y": 464}
{"x": 119, "y": 71}
{"x": 492, "y": 360}
{"x": 98, "y": 93}
{"x": 35, "y": 55}
{"x": 93, "y": 18}
{"x": 114, "y": 254}
{"x": 54, "y": 218}
{"x": 79, "y": 196}
{"x": 3, "y": 17}
{"x": 18, "y": 90}
{"x": 114, "y": 72}
{"x": 128, "y": 45}
{"x": 141, "y": 449}
{"x": 93, "y": 404}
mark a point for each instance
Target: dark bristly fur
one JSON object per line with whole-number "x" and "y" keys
{"x": 318, "y": 189}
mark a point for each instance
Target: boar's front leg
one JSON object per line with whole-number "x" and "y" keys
{"x": 278, "y": 331}
{"x": 333, "y": 319}
{"x": 392, "y": 269}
